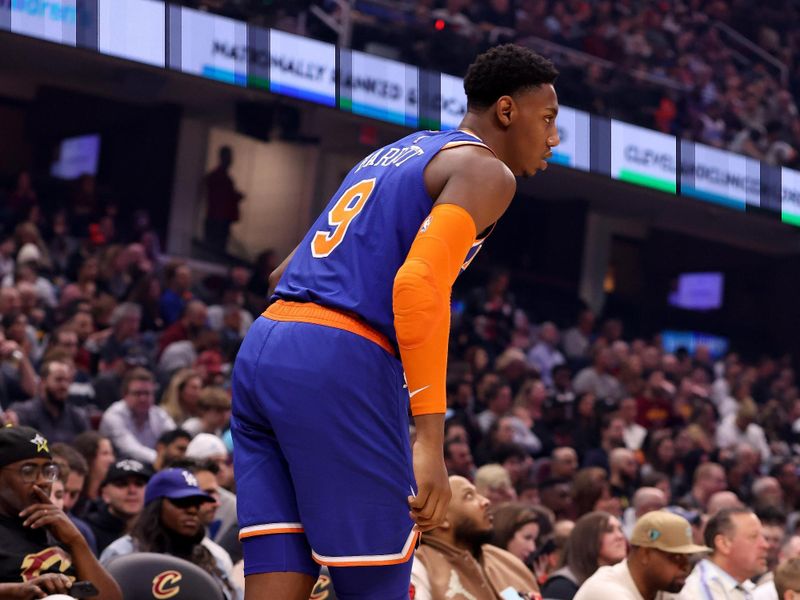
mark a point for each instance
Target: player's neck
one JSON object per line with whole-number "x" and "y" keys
{"x": 479, "y": 126}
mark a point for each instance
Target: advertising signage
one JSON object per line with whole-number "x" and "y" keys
{"x": 453, "y": 101}
{"x": 133, "y": 29}
{"x": 790, "y": 196}
{"x": 379, "y": 88}
{"x": 573, "y": 131}
{"x": 302, "y": 68}
{"x": 51, "y": 20}
{"x": 210, "y": 46}
{"x": 643, "y": 157}
{"x": 719, "y": 176}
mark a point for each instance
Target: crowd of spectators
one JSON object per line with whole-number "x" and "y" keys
{"x": 121, "y": 358}
{"x": 692, "y": 78}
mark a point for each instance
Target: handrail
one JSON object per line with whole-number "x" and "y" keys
{"x": 755, "y": 49}
{"x": 549, "y": 47}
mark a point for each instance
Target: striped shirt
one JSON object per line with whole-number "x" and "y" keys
{"x": 709, "y": 582}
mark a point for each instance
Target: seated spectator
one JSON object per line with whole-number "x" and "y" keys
{"x": 134, "y": 423}
{"x": 72, "y": 474}
{"x": 742, "y": 428}
{"x": 658, "y": 561}
{"x": 624, "y": 475}
{"x": 739, "y": 553}
{"x": 99, "y": 455}
{"x": 577, "y": 339}
{"x": 458, "y": 459}
{"x": 709, "y": 478}
{"x": 177, "y": 293}
{"x": 591, "y": 491}
{"x": 18, "y": 379}
{"x": 122, "y": 336}
{"x": 545, "y": 356}
{"x": 170, "y": 524}
{"x": 191, "y": 322}
{"x": 228, "y": 532}
{"x": 634, "y": 434}
{"x": 122, "y": 494}
{"x": 556, "y": 495}
{"x": 645, "y": 500}
{"x": 516, "y": 529}
{"x": 493, "y": 482}
{"x": 170, "y": 447}
{"x": 183, "y": 392}
{"x": 50, "y": 412}
{"x": 457, "y": 556}
{"x": 785, "y": 581}
{"x": 598, "y": 379}
{"x": 595, "y": 541}
{"x": 214, "y": 412}
{"x": 35, "y": 561}
{"x": 612, "y": 431}
{"x": 498, "y": 401}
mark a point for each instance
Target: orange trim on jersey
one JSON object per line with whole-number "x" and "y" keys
{"x": 316, "y": 314}
{"x": 449, "y": 145}
{"x": 371, "y": 561}
{"x": 270, "y": 529}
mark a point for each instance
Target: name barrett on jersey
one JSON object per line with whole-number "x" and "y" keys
{"x": 392, "y": 156}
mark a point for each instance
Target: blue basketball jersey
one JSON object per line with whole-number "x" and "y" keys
{"x": 349, "y": 258}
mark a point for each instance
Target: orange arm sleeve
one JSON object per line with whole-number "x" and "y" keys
{"x": 421, "y": 303}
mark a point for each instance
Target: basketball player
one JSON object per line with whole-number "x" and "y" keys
{"x": 324, "y": 471}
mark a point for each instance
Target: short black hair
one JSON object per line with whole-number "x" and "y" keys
{"x": 170, "y": 436}
{"x": 503, "y": 71}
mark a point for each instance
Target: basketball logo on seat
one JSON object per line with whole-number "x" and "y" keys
{"x": 165, "y": 585}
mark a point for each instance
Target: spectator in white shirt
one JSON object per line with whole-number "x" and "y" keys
{"x": 787, "y": 575}
{"x": 739, "y": 554}
{"x": 134, "y": 424}
{"x": 741, "y": 427}
{"x": 634, "y": 433}
{"x": 658, "y": 562}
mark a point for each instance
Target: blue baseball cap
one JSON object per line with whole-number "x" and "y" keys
{"x": 174, "y": 484}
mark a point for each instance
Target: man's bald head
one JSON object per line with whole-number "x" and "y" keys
{"x": 468, "y": 523}
{"x": 563, "y": 463}
{"x": 722, "y": 500}
{"x": 648, "y": 499}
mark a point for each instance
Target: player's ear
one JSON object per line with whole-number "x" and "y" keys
{"x": 504, "y": 109}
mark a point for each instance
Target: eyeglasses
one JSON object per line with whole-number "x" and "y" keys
{"x": 30, "y": 473}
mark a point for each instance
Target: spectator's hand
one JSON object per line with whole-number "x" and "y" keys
{"x": 38, "y": 587}
{"x": 11, "y": 418}
{"x": 8, "y": 348}
{"x": 429, "y": 506}
{"x": 47, "y": 514}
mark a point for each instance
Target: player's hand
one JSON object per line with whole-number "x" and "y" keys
{"x": 47, "y": 514}
{"x": 429, "y": 506}
{"x": 38, "y": 587}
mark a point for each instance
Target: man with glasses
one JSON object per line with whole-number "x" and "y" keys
{"x": 134, "y": 423}
{"x": 659, "y": 561}
{"x": 42, "y": 552}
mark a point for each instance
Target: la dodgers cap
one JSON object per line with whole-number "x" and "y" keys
{"x": 665, "y": 531}
{"x": 174, "y": 484}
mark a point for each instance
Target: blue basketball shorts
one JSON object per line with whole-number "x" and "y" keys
{"x": 321, "y": 448}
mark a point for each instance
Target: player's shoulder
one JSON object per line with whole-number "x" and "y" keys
{"x": 478, "y": 165}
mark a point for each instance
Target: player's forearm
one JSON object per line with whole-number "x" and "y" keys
{"x": 430, "y": 430}
{"x": 275, "y": 276}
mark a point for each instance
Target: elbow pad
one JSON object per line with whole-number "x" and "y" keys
{"x": 421, "y": 303}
